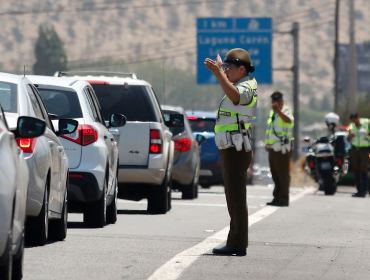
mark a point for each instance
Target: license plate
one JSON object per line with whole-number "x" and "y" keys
{"x": 204, "y": 172}
{"x": 325, "y": 165}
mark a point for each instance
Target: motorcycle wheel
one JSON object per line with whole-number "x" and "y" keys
{"x": 329, "y": 185}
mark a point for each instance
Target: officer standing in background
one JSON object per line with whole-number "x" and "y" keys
{"x": 279, "y": 146}
{"x": 235, "y": 113}
{"x": 360, "y": 142}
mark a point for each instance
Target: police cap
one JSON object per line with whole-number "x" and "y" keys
{"x": 276, "y": 96}
{"x": 239, "y": 57}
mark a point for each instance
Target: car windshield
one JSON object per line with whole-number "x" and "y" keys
{"x": 9, "y": 97}
{"x": 174, "y": 130}
{"x": 203, "y": 125}
{"x": 131, "y": 102}
{"x": 63, "y": 103}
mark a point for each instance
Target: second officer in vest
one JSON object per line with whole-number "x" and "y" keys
{"x": 278, "y": 144}
{"x": 234, "y": 116}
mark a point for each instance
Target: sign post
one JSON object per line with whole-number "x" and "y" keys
{"x": 219, "y": 35}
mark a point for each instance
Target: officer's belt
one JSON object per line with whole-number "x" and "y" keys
{"x": 232, "y": 120}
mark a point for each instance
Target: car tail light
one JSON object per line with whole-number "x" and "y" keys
{"x": 183, "y": 145}
{"x": 155, "y": 142}
{"x": 76, "y": 175}
{"x": 339, "y": 161}
{"x": 311, "y": 164}
{"x": 84, "y": 135}
{"x": 27, "y": 144}
{"x": 98, "y": 83}
{"x": 192, "y": 118}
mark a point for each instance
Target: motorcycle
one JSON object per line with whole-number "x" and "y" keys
{"x": 326, "y": 161}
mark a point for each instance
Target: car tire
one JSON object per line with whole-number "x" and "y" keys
{"x": 58, "y": 228}
{"x": 95, "y": 213}
{"x": 169, "y": 199}
{"x": 190, "y": 191}
{"x": 158, "y": 197}
{"x": 18, "y": 261}
{"x": 112, "y": 208}
{"x": 37, "y": 228}
{"x": 205, "y": 186}
{"x": 7, "y": 267}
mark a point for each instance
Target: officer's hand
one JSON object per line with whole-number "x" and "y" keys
{"x": 275, "y": 106}
{"x": 212, "y": 65}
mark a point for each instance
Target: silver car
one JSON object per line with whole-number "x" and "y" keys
{"x": 46, "y": 159}
{"x": 186, "y": 162}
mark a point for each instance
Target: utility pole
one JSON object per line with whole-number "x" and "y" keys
{"x": 295, "y": 69}
{"x": 336, "y": 58}
{"x": 352, "y": 60}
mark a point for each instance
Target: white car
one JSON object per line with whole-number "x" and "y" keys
{"x": 47, "y": 162}
{"x": 91, "y": 149}
{"x": 146, "y": 149}
{"x": 13, "y": 188}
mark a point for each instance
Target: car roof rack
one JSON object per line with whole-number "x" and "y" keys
{"x": 134, "y": 76}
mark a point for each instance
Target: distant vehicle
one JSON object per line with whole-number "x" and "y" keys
{"x": 210, "y": 168}
{"x": 146, "y": 150}
{"x": 91, "y": 149}
{"x": 46, "y": 159}
{"x": 186, "y": 163}
{"x": 14, "y": 178}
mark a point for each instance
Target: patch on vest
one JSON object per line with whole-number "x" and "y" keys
{"x": 222, "y": 113}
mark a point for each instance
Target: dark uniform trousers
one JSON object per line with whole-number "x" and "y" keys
{"x": 360, "y": 163}
{"x": 279, "y": 166}
{"x": 234, "y": 168}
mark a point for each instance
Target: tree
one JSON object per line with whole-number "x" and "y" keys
{"x": 49, "y": 52}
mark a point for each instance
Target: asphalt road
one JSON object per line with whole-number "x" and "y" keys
{"x": 317, "y": 237}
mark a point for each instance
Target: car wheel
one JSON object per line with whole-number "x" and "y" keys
{"x": 58, "y": 228}
{"x": 205, "y": 186}
{"x": 18, "y": 261}
{"x": 190, "y": 191}
{"x": 112, "y": 208}
{"x": 95, "y": 213}
{"x": 6, "y": 267}
{"x": 37, "y": 228}
{"x": 158, "y": 197}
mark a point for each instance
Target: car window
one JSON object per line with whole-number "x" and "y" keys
{"x": 96, "y": 105}
{"x": 35, "y": 104}
{"x": 43, "y": 108}
{"x": 9, "y": 97}
{"x": 203, "y": 125}
{"x": 174, "y": 130}
{"x": 132, "y": 102}
{"x": 63, "y": 103}
{"x": 90, "y": 105}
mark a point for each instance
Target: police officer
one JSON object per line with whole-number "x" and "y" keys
{"x": 235, "y": 113}
{"x": 279, "y": 146}
{"x": 360, "y": 142}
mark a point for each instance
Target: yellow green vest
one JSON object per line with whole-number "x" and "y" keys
{"x": 226, "y": 115}
{"x": 360, "y": 141}
{"x": 281, "y": 128}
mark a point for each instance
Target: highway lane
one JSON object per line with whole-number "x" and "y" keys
{"x": 308, "y": 239}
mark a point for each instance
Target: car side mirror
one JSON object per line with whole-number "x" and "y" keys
{"x": 176, "y": 120}
{"x": 66, "y": 126}
{"x": 28, "y": 127}
{"x": 200, "y": 139}
{"x": 117, "y": 120}
{"x": 307, "y": 139}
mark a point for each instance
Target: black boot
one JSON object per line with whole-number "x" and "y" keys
{"x": 358, "y": 182}
{"x": 365, "y": 179}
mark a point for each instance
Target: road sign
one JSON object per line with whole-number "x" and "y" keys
{"x": 219, "y": 35}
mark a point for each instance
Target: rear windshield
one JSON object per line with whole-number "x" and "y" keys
{"x": 174, "y": 130}
{"x": 9, "y": 97}
{"x": 203, "y": 125}
{"x": 64, "y": 104}
{"x": 131, "y": 102}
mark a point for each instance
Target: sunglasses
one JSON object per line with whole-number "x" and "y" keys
{"x": 230, "y": 67}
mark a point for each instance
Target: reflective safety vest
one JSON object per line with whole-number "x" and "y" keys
{"x": 227, "y": 112}
{"x": 360, "y": 141}
{"x": 277, "y": 128}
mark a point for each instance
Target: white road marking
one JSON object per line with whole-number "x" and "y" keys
{"x": 185, "y": 204}
{"x": 172, "y": 269}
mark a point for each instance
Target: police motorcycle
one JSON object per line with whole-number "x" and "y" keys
{"x": 326, "y": 159}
